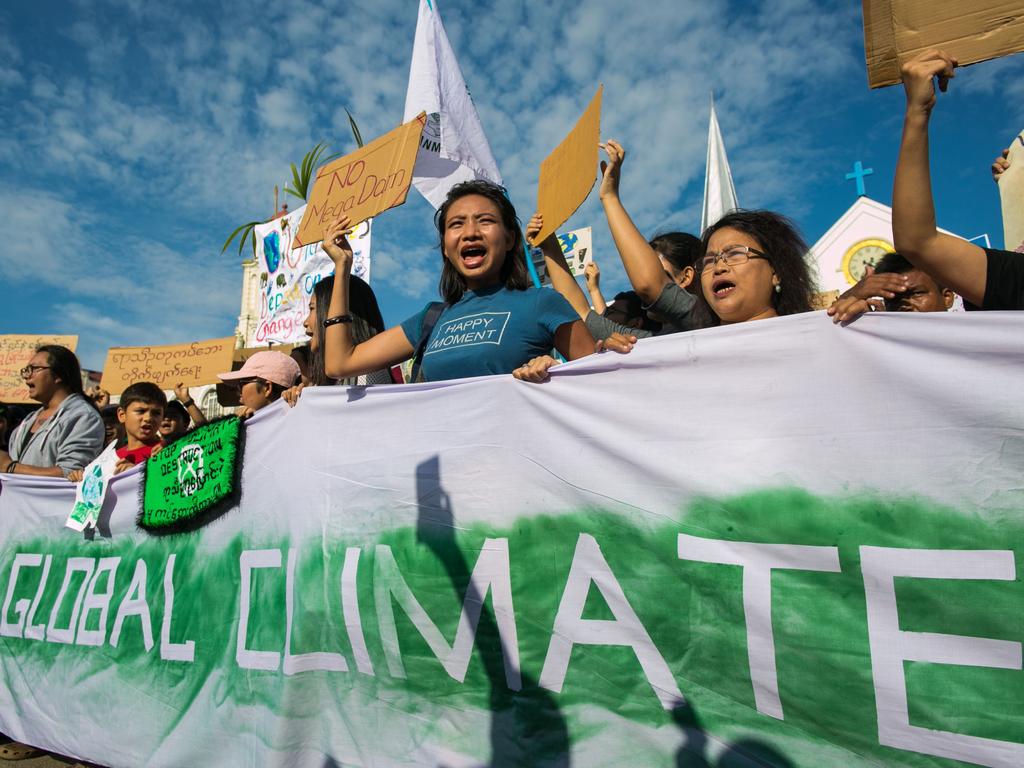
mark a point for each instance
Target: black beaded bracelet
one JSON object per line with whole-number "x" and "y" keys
{"x": 188, "y": 403}
{"x": 346, "y": 318}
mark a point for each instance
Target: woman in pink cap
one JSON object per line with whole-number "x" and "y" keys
{"x": 261, "y": 380}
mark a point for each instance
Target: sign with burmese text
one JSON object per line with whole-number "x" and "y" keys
{"x": 766, "y": 586}
{"x": 16, "y": 349}
{"x": 195, "y": 363}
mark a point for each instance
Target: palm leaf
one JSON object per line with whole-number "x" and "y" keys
{"x": 303, "y": 175}
{"x": 355, "y": 129}
{"x": 248, "y": 232}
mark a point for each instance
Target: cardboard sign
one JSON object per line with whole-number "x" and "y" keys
{"x": 896, "y": 30}
{"x": 364, "y": 183}
{"x": 1011, "y": 192}
{"x": 194, "y": 364}
{"x": 567, "y": 175}
{"x": 16, "y": 349}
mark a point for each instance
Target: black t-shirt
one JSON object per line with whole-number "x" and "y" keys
{"x": 1004, "y": 281}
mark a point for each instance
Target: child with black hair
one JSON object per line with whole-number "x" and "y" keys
{"x": 140, "y": 410}
{"x": 175, "y": 422}
{"x": 113, "y": 430}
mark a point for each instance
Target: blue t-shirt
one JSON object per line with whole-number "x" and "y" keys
{"x": 493, "y": 330}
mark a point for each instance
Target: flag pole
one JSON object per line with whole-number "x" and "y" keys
{"x": 529, "y": 265}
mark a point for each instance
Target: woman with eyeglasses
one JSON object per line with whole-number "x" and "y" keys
{"x": 67, "y": 432}
{"x": 751, "y": 264}
{"x": 753, "y": 267}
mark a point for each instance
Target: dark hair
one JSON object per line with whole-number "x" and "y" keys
{"x": 367, "y": 320}
{"x": 893, "y": 264}
{"x": 634, "y": 313}
{"x": 142, "y": 392}
{"x": 300, "y": 355}
{"x": 176, "y": 410}
{"x": 514, "y": 273}
{"x": 275, "y": 391}
{"x": 681, "y": 250}
{"x": 897, "y": 264}
{"x": 64, "y": 366}
{"x": 786, "y": 251}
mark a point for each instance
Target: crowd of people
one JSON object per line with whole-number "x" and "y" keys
{"x": 748, "y": 266}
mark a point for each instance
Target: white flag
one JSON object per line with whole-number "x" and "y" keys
{"x": 719, "y": 192}
{"x": 453, "y": 147}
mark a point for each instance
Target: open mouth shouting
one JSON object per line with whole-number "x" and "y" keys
{"x": 473, "y": 256}
{"x": 722, "y": 287}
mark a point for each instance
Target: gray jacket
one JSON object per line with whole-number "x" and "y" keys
{"x": 71, "y": 438}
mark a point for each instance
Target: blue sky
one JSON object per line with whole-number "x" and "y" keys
{"x": 134, "y": 136}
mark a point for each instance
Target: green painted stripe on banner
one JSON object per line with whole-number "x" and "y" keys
{"x": 693, "y": 612}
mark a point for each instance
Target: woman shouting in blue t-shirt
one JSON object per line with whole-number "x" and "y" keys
{"x": 492, "y": 322}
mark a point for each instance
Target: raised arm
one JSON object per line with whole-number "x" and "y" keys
{"x": 950, "y": 261}
{"x": 342, "y": 357}
{"x": 557, "y": 267}
{"x": 183, "y": 396}
{"x": 592, "y": 274}
{"x": 643, "y": 267}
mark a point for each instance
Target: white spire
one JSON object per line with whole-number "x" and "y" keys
{"x": 719, "y": 192}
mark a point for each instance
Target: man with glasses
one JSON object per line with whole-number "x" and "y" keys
{"x": 67, "y": 432}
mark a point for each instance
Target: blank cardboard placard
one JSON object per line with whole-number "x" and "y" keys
{"x": 1011, "y": 192}
{"x": 364, "y": 183}
{"x": 193, "y": 364}
{"x": 567, "y": 175}
{"x": 969, "y": 30}
{"x": 16, "y": 349}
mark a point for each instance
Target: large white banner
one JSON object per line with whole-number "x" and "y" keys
{"x": 781, "y": 543}
{"x": 287, "y": 276}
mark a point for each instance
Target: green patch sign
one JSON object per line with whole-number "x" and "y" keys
{"x": 188, "y": 481}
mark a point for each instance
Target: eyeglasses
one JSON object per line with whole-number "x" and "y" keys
{"x": 734, "y": 255}
{"x": 30, "y": 370}
{"x": 238, "y": 384}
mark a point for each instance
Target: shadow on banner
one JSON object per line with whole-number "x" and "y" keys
{"x": 527, "y": 728}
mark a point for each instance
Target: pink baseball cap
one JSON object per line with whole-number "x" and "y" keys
{"x": 275, "y": 367}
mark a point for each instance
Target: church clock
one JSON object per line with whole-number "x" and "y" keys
{"x": 860, "y": 256}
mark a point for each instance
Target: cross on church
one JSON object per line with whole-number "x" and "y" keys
{"x": 859, "y": 172}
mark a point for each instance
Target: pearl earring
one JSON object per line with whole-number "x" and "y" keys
{"x": 778, "y": 287}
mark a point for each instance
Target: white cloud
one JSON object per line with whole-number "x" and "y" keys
{"x": 125, "y": 289}
{"x": 195, "y": 120}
